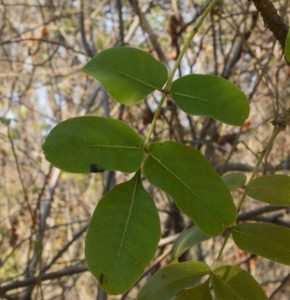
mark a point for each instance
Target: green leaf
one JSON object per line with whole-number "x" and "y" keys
{"x": 91, "y": 144}
{"x": 187, "y": 239}
{"x": 234, "y": 180}
{"x": 211, "y": 96}
{"x": 233, "y": 283}
{"x": 200, "y": 292}
{"x": 128, "y": 74}
{"x": 196, "y": 188}
{"x": 268, "y": 240}
{"x": 5, "y": 121}
{"x": 169, "y": 281}
{"x": 123, "y": 236}
{"x": 273, "y": 189}
{"x": 287, "y": 47}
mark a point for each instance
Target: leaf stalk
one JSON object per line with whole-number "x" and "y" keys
{"x": 264, "y": 155}
{"x": 169, "y": 81}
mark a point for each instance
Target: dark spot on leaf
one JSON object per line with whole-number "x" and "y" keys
{"x": 95, "y": 169}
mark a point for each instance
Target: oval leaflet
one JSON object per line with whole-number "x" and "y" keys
{"x": 122, "y": 215}
{"x": 93, "y": 144}
{"x": 212, "y": 96}
{"x": 128, "y": 74}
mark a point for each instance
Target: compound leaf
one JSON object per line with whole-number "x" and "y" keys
{"x": 273, "y": 189}
{"x": 211, "y": 96}
{"x": 128, "y": 74}
{"x": 92, "y": 144}
{"x": 233, "y": 283}
{"x": 122, "y": 236}
{"x": 185, "y": 174}
{"x": 169, "y": 281}
{"x": 268, "y": 240}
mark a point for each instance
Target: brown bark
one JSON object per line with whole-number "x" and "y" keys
{"x": 272, "y": 20}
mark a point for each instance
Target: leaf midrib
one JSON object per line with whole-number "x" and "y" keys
{"x": 133, "y": 78}
{"x": 104, "y": 146}
{"x": 184, "y": 184}
{"x": 167, "y": 285}
{"x": 197, "y": 98}
{"x": 228, "y": 287}
{"x": 268, "y": 188}
{"x": 203, "y": 293}
{"x": 125, "y": 229}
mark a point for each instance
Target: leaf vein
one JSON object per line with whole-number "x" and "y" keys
{"x": 184, "y": 184}
{"x": 126, "y": 227}
{"x": 197, "y": 98}
{"x": 133, "y": 78}
{"x": 106, "y": 146}
{"x": 264, "y": 240}
{"x": 228, "y": 287}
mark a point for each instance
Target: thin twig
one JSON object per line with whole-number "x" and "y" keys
{"x": 264, "y": 155}
{"x": 147, "y": 28}
{"x": 119, "y": 6}
{"x": 19, "y": 172}
{"x": 89, "y": 50}
{"x": 35, "y": 279}
{"x": 168, "y": 84}
{"x": 281, "y": 285}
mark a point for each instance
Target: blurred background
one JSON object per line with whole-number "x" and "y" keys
{"x": 44, "y": 213}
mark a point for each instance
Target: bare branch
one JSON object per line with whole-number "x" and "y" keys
{"x": 147, "y": 28}
{"x": 35, "y": 279}
{"x": 272, "y": 19}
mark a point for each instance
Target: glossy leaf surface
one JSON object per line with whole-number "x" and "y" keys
{"x": 268, "y": 240}
{"x": 188, "y": 239}
{"x": 196, "y": 188}
{"x": 128, "y": 74}
{"x": 234, "y": 180}
{"x": 122, "y": 236}
{"x": 211, "y": 96}
{"x": 200, "y": 292}
{"x": 273, "y": 189}
{"x": 287, "y": 47}
{"x": 233, "y": 283}
{"x": 169, "y": 281}
{"x": 92, "y": 144}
